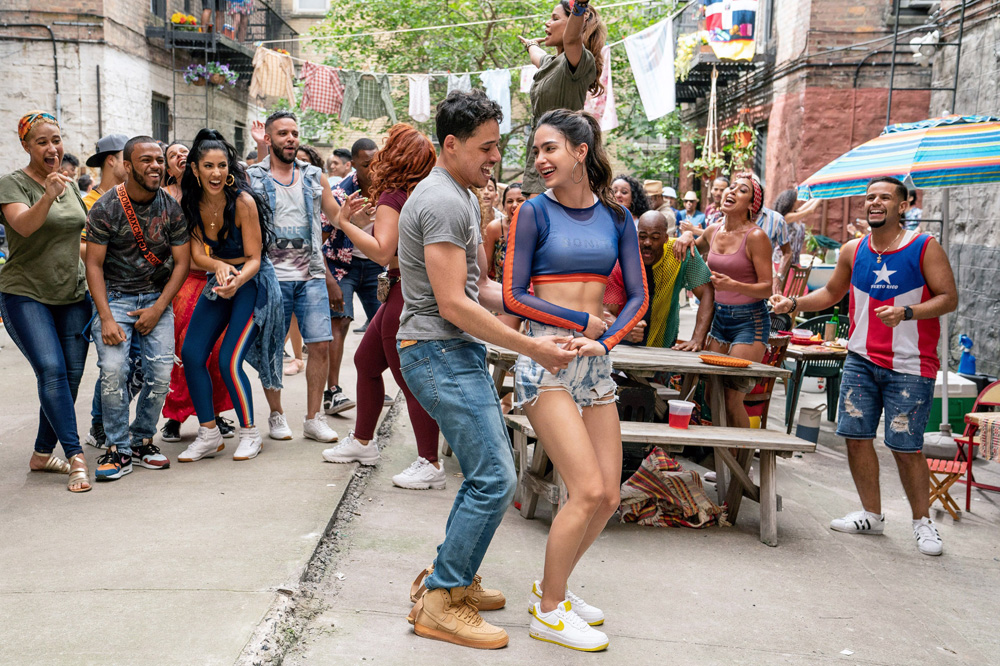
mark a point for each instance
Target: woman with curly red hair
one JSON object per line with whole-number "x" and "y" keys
{"x": 407, "y": 158}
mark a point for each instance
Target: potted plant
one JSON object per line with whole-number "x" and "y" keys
{"x": 221, "y": 74}
{"x": 196, "y": 75}
{"x": 742, "y": 142}
{"x": 708, "y": 166}
{"x": 182, "y": 21}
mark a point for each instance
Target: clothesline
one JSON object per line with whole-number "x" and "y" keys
{"x": 441, "y": 27}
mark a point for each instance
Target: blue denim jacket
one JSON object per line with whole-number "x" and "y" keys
{"x": 263, "y": 184}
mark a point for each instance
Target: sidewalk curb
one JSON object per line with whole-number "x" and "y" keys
{"x": 292, "y": 609}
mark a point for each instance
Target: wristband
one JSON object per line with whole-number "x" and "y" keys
{"x": 795, "y": 303}
{"x": 578, "y": 8}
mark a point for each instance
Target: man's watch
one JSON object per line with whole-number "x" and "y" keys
{"x": 907, "y": 313}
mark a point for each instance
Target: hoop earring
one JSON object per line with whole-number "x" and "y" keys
{"x": 198, "y": 178}
{"x": 582, "y": 174}
{"x": 231, "y": 180}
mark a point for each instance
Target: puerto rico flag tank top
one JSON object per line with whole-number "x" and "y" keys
{"x": 911, "y": 347}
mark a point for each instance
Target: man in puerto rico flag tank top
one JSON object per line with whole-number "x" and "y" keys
{"x": 900, "y": 284}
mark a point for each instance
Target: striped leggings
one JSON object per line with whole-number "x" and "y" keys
{"x": 210, "y": 319}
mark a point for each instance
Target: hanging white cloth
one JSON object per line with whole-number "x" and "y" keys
{"x": 459, "y": 82}
{"x": 420, "y": 97}
{"x": 497, "y": 84}
{"x": 651, "y": 55}
{"x": 527, "y": 76}
{"x": 603, "y": 106}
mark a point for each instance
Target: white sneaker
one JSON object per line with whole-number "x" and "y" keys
{"x": 250, "y": 444}
{"x": 317, "y": 428}
{"x": 420, "y": 475}
{"x": 592, "y": 615}
{"x": 564, "y": 627}
{"x": 277, "y": 426}
{"x": 205, "y": 445}
{"x": 928, "y": 539}
{"x": 859, "y": 522}
{"x": 351, "y": 450}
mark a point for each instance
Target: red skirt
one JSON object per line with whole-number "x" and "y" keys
{"x": 177, "y": 405}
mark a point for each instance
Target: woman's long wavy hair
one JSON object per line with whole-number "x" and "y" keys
{"x": 595, "y": 34}
{"x": 579, "y": 127}
{"x": 405, "y": 159}
{"x": 210, "y": 139}
{"x": 640, "y": 200}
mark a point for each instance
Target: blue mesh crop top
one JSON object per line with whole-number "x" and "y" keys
{"x": 550, "y": 242}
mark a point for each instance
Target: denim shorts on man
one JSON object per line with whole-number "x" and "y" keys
{"x": 741, "y": 324}
{"x": 867, "y": 389}
{"x": 361, "y": 279}
{"x": 309, "y": 302}
{"x": 587, "y": 379}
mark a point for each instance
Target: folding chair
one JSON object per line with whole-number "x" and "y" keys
{"x": 758, "y": 401}
{"x": 796, "y": 281}
{"x": 944, "y": 474}
{"x": 988, "y": 401}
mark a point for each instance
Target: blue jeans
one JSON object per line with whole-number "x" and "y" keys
{"x": 866, "y": 389}
{"x": 451, "y": 382}
{"x": 309, "y": 302}
{"x": 361, "y": 279}
{"x": 157, "y": 353}
{"x": 51, "y": 338}
{"x": 134, "y": 383}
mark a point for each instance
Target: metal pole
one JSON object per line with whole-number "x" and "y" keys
{"x": 945, "y": 345}
{"x": 100, "y": 120}
{"x": 892, "y": 66}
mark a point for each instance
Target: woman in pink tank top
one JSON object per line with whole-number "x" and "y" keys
{"x": 739, "y": 255}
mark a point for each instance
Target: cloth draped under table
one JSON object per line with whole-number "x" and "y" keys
{"x": 989, "y": 437}
{"x": 662, "y": 494}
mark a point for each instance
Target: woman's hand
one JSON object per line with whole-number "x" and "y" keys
{"x": 353, "y": 205}
{"x": 225, "y": 273}
{"x": 56, "y": 184}
{"x": 586, "y": 347}
{"x": 685, "y": 243}
{"x": 528, "y": 43}
{"x": 595, "y": 327}
{"x": 723, "y": 282}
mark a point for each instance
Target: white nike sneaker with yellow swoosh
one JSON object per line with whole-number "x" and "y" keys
{"x": 592, "y": 615}
{"x": 564, "y": 627}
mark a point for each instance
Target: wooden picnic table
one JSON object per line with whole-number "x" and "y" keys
{"x": 640, "y": 363}
{"x": 803, "y": 355}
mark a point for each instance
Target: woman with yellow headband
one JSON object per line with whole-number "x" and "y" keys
{"x": 43, "y": 295}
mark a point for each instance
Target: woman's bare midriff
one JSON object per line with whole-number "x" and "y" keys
{"x": 580, "y": 296}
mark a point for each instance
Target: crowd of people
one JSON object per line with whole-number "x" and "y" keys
{"x": 184, "y": 263}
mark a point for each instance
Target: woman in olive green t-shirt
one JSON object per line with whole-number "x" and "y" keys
{"x": 577, "y": 33}
{"x": 43, "y": 296}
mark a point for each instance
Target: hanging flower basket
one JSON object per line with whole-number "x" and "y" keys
{"x": 217, "y": 80}
{"x": 742, "y": 139}
{"x": 181, "y": 21}
{"x": 200, "y": 81}
{"x": 218, "y": 74}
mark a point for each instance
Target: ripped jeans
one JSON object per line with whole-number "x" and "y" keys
{"x": 156, "y": 349}
{"x": 587, "y": 379}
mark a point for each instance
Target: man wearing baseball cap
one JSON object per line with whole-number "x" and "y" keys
{"x": 108, "y": 158}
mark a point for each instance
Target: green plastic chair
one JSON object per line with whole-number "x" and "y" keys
{"x": 828, "y": 368}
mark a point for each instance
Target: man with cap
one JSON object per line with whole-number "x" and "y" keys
{"x": 691, "y": 219}
{"x": 108, "y": 158}
{"x": 669, "y": 201}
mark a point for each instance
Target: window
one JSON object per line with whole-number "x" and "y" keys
{"x": 239, "y": 138}
{"x": 158, "y": 8}
{"x": 161, "y": 118}
{"x": 311, "y": 6}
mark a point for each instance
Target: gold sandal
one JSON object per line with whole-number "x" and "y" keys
{"x": 53, "y": 464}
{"x": 78, "y": 474}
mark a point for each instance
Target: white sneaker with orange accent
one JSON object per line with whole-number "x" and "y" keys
{"x": 564, "y": 627}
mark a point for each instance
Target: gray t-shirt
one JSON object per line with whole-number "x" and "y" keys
{"x": 438, "y": 211}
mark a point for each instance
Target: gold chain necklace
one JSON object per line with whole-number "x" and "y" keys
{"x": 889, "y": 247}
{"x": 215, "y": 215}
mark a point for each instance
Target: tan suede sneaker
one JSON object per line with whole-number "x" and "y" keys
{"x": 448, "y": 615}
{"x": 486, "y": 599}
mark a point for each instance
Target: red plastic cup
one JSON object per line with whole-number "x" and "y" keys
{"x": 680, "y": 413}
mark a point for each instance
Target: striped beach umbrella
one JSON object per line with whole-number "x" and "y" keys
{"x": 939, "y": 152}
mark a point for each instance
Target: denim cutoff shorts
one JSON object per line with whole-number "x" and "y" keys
{"x": 867, "y": 389}
{"x": 587, "y": 379}
{"x": 741, "y": 324}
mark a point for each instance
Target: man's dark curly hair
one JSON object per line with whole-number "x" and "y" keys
{"x": 461, "y": 114}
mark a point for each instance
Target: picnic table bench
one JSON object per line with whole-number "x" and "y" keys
{"x": 532, "y": 483}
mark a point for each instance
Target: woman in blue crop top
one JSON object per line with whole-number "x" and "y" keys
{"x": 565, "y": 243}
{"x": 225, "y": 217}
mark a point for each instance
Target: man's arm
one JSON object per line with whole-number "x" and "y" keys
{"x": 490, "y": 291}
{"x": 940, "y": 281}
{"x": 446, "y": 270}
{"x": 703, "y": 320}
{"x": 829, "y": 295}
{"x": 111, "y": 333}
{"x": 329, "y": 203}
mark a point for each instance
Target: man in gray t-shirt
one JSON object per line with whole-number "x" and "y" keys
{"x": 442, "y": 263}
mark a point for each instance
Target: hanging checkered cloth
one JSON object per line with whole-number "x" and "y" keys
{"x": 989, "y": 437}
{"x": 323, "y": 90}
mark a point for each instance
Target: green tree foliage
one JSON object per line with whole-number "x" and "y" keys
{"x": 490, "y": 45}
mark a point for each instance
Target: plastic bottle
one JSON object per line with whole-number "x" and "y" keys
{"x": 830, "y": 328}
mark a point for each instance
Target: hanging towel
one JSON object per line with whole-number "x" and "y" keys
{"x": 730, "y": 28}
{"x": 527, "y": 76}
{"x": 497, "y": 84}
{"x": 272, "y": 75}
{"x": 366, "y": 96}
{"x": 459, "y": 82}
{"x": 603, "y": 106}
{"x": 323, "y": 90}
{"x": 651, "y": 55}
{"x": 420, "y": 97}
